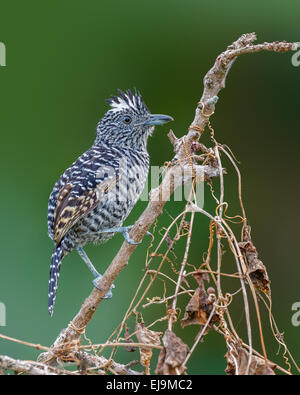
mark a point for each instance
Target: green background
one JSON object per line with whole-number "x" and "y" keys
{"x": 64, "y": 58}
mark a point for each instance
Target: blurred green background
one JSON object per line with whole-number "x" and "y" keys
{"x": 64, "y": 58}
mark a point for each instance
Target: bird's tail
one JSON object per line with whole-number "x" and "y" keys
{"x": 56, "y": 260}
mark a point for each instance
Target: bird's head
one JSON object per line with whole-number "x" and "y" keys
{"x": 128, "y": 122}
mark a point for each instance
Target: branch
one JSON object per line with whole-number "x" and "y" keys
{"x": 30, "y": 367}
{"x": 101, "y": 364}
{"x": 84, "y": 360}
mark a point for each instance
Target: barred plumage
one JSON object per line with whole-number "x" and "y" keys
{"x": 96, "y": 193}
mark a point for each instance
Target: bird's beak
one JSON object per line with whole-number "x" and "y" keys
{"x": 157, "y": 119}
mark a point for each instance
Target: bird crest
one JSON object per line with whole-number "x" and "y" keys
{"x": 128, "y": 101}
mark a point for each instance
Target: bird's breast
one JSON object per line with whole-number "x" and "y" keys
{"x": 115, "y": 205}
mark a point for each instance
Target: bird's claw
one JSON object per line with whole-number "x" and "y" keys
{"x": 124, "y": 230}
{"x": 127, "y": 237}
{"x": 108, "y": 295}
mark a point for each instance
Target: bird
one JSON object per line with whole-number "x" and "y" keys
{"x": 93, "y": 197}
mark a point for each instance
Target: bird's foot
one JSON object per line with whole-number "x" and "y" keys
{"x": 109, "y": 292}
{"x": 96, "y": 275}
{"x": 125, "y": 232}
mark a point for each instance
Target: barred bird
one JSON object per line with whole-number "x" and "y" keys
{"x": 96, "y": 193}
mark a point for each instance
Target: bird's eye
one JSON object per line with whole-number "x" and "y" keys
{"x": 127, "y": 120}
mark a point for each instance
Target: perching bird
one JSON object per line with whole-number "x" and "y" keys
{"x": 96, "y": 193}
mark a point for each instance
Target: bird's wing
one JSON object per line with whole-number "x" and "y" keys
{"x": 75, "y": 202}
